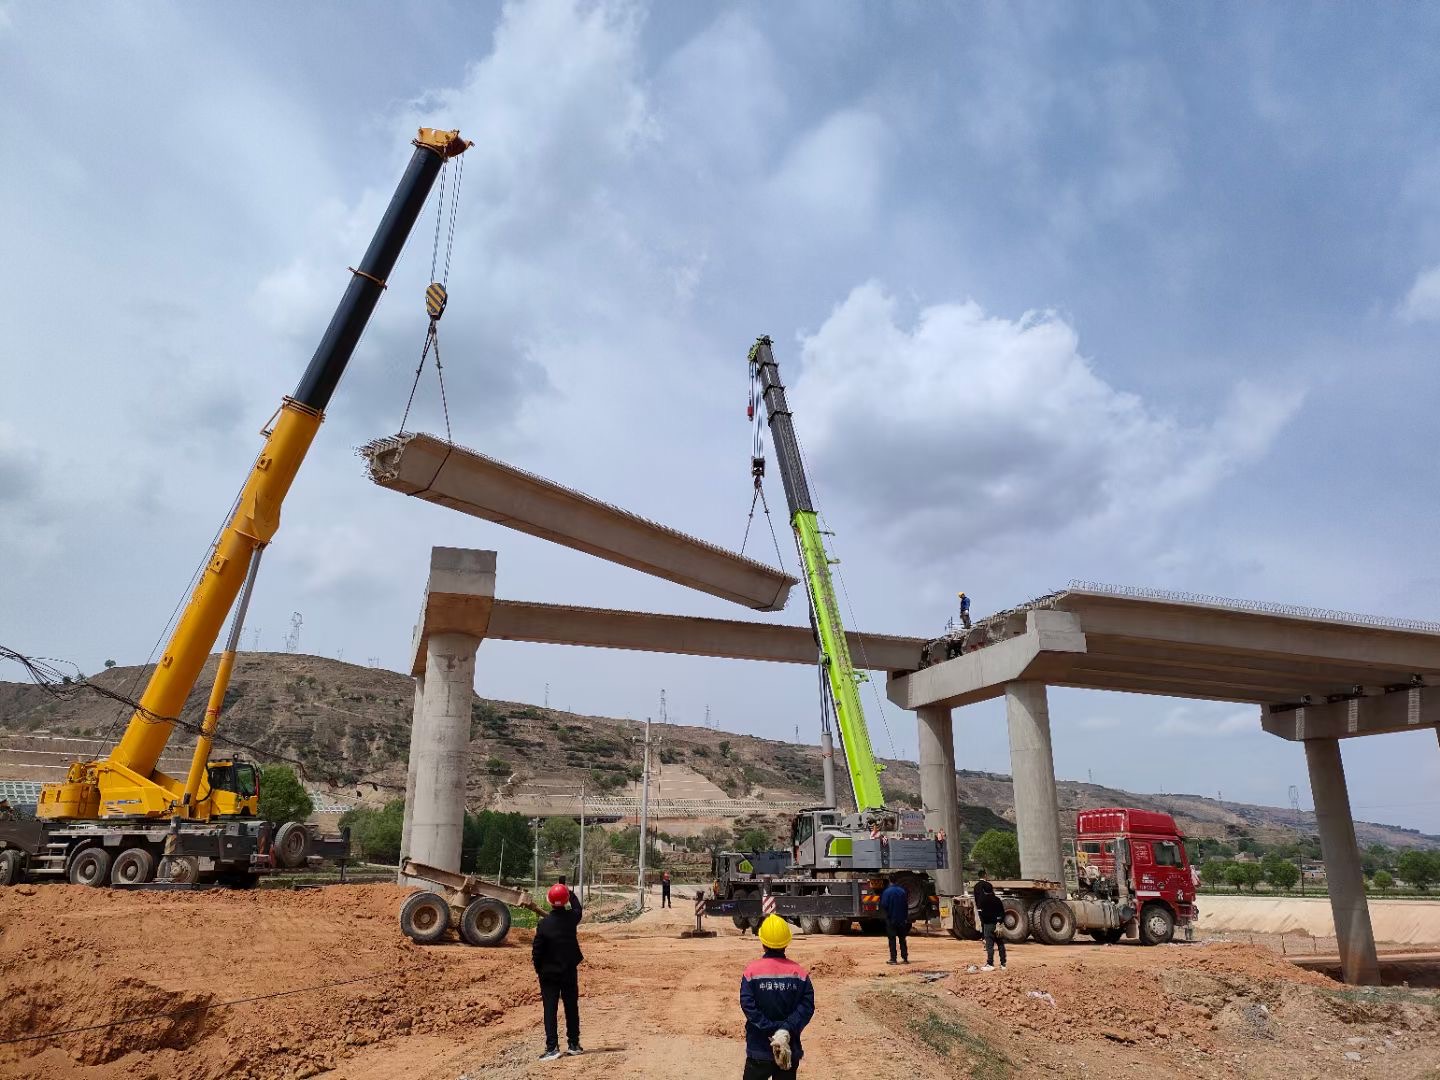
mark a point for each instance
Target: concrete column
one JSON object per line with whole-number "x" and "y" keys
{"x": 937, "y": 789}
{"x": 1343, "y": 873}
{"x": 410, "y": 773}
{"x": 1032, "y": 767}
{"x": 439, "y": 751}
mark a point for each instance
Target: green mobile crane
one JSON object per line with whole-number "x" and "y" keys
{"x": 837, "y": 860}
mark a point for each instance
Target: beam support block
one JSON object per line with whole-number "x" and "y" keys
{"x": 1343, "y": 873}
{"x": 1032, "y": 767}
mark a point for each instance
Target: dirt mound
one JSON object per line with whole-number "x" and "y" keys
{"x": 245, "y": 985}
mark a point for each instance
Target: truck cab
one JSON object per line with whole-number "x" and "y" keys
{"x": 1151, "y": 848}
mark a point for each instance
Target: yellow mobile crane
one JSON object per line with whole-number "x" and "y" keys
{"x": 119, "y": 819}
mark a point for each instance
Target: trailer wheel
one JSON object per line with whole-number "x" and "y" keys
{"x": 180, "y": 869}
{"x": 91, "y": 867}
{"x": 424, "y": 918}
{"x": 1015, "y": 926}
{"x": 1054, "y": 922}
{"x": 291, "y": 845}
{"x": 12, "y": 867}
{"x": 829, "y": 925}
{"x": 485, "y": 922}
{"x": 1157, "y": 925}
{"x": 133, "y": 866}
{"x": 809, "y": 924}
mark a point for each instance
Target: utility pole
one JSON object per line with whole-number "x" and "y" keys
{"x": 547, "y": 695}
{"x": 536, "y": 823}
{"x": 644, "y": 809}
{"x": 582, "y": 843}
{"x": 500, "y": 877}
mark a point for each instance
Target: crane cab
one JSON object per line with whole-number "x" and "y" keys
{"x": 234, "y": 788}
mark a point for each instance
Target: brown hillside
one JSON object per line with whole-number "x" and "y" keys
{"x": 349, "y": 727}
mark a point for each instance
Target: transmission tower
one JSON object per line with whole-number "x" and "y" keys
{"x": 1295, "y": 803}
{"x": 292, "y": 639}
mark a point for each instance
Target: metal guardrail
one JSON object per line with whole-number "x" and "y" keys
{"x": 1264, "y": 607}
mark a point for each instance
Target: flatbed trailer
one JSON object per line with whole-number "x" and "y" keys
{"x": 477, "y": 908}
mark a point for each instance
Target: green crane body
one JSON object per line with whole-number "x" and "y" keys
{"x": 840, "y": 673}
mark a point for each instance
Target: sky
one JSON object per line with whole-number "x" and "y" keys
{"x": 1147, "y": 300}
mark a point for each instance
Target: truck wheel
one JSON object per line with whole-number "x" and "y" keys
{"x": 1157, "y": 925}
{"x": 1015, "y": 926}
{"x": 424, "y": 918}
{"x": 133, "y": 866}
{"x": 829, "y": 925}
{"x": 809, "y": 924}
{"x": 91, "y": 867}
{"x": 12, "y": 867}
{"x": 180, "y": 869}
{"x": 1054, "y": 922}
{"x": 485, "y": 922}
{"x": 291, "y": 845}
{"x": 742, "y": 923}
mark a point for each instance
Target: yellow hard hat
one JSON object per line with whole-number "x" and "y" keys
{"x": 960, "y": 594}
{"x": 774, "y": 932}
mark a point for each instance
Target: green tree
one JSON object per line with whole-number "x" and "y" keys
{"x": 1281, "y": 873}
{"x": 494, "y": 842}
{"x": 560, "y": 836}
{"x": 998, "y": 854}
{"x": 1241, "y": 874}
{"x": 1215, "y": 871}
{"x": 1382, "y": 880}
{"x": 109, "y": 664}
{"x": 282, "y": 796}
{"x": 724, "y": 747}
{"x": 753, "y": 839}
{"x": 1418, "y": 869}
{"x": 375, "y": 834}
{"x": 715, "y": 838}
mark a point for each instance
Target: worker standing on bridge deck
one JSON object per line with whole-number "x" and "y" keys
{"x": 557, "y": 958}
{"x": 778, "y": 1001}
{"x": 965, "y": 611}
{"x": 895, "y": 903}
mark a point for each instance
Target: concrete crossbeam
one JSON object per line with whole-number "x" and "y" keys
{"x": 439, "y": 472}
{"x": 1050, "y": 646}
{"x": 1411, "y": 709}
{"x": 558, "y": 624}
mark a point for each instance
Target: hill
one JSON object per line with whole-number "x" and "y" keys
{"x": 347, "y": 727}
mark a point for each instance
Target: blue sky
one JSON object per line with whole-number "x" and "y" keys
{"x": 1150, "y": 299}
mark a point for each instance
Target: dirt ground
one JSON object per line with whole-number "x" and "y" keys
{"x": 341, "y": 994}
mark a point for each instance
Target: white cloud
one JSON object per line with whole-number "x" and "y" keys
{"x": 1422, "y": 302}
{"x": 1208, "y": 718}
{"x": 972, "y": 425}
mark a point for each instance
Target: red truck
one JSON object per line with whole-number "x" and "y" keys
{"x": 1131, "y": 879}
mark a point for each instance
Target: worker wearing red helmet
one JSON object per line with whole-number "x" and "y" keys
{"x": 557, "y": 958}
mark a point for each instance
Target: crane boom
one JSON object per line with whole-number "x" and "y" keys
{"x": 840, "y": 670}
{"x": 127, "y": 783}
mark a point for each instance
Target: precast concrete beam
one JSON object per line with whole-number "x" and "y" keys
{"x": 732, "y": 639}
{"x": 1409, "y": 709}
{"x": 440, "y": 472}
{"x": 1050, "y": 646}
{"x": 1344, "y": 875}
{"x": 1032, "y": 772}
{"x": 938, "y": 793}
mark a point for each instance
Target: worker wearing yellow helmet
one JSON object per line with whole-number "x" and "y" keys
{"x": 964, "y": 610}
{"x": 778, "y": 1001}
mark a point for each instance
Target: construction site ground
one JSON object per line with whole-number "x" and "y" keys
{"x": 327, "y": 986}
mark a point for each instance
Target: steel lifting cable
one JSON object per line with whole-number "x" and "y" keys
{"x": 757, "y": 472}
{"x": 436, "y": 296}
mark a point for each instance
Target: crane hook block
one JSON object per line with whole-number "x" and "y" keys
{"x": 435, "y": 298}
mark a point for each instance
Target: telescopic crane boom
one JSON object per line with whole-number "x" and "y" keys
{"x": 127, "y": 783}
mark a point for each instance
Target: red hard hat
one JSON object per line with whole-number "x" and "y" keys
{"x": 558, "y": 895}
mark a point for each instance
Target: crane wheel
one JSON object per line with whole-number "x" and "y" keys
{"x": 12, "y": 867}
{"x": 485, "y": 922}
{"x": 424, "y": 918}
{"x": 1015, "y": 926}
{"x": 834, "y": 926}
{"x": 809, "y": 924}
{"x": 180, "y": 869}
{"x": 90, "y": 867}
{"x": 1054, "y": 922}
{"x": 291, "y": 845}
{"x": 1157, "y": 925}
{"x": 742, "y": 922}
{"x": 133, "y": 866}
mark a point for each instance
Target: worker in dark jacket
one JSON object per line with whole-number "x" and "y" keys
{"x": 992, "y": 913}
{"x": 557, "y": 958}
{"x": 778, "y": 1001}
{"x": 895, "y": 903}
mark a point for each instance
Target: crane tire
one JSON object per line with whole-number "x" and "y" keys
{"x": 1157, "y": 925}
{"x": 90, "y": 867}
{"x": 424, "y": 918}
{"x": 180, "y": 869}
{"x": 809, "y": 924}
{"x": 133, "y": 866}
{"x": 1015, "y": 926}
{"x": 291, "y": 845}
{"x": 484, "y": 922}
{"x": 830, "y": 925}
{"x": 12, "y": 867}
{"x": 1054, "y": 922}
